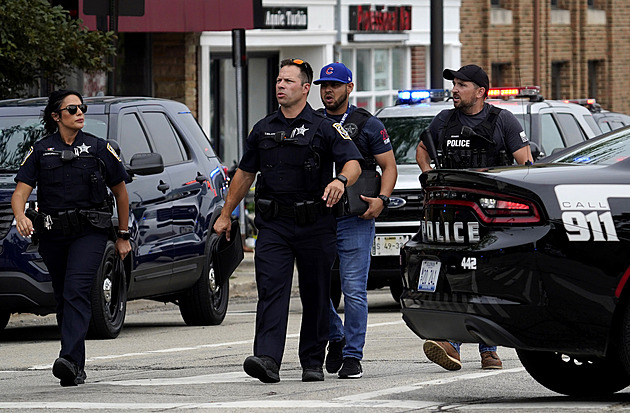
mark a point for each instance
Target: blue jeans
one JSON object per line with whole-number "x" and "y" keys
{"x": 482, "y": 348}
{"x": 354, "y": 246}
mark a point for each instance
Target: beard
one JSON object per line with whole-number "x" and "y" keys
{"x": 335, "y": 104}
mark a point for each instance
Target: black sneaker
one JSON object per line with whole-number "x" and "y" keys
{"x": 264, "y": 368}
{"x": 68, "y": 373}
{"x": 334, "y": 358}
{"x": 313, "y": 374}
{"x": 351, "y": 369}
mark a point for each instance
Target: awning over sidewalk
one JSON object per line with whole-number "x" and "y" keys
{"x": 184, "y": 16}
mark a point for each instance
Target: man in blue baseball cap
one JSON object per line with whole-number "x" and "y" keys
{"x": 355, "y": 231}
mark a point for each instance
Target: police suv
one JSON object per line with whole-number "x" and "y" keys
{"x": 550, "y": 125}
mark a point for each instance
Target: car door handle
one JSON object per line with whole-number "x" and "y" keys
{"x": 163, "y": 186}
{"x": 201, "y": 177}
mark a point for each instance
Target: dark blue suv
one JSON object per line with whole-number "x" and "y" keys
{"x": 176, "y": 192}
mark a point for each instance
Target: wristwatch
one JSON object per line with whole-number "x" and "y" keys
{"x": 343, "y": 180}
{"x": 124, "y": 234}
{"x": 385, "y": 199}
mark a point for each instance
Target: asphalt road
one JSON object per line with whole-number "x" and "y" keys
{"x": 159, "y": 364}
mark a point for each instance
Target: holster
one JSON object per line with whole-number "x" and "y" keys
{"x": 267, "y": 208}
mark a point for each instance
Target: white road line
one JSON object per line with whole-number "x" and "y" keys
{"x": 412, "y": 387}
{"x": 230, "y": 377}
{"x": 192, "y": 348}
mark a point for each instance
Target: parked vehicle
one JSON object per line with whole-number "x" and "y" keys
{"x": 531, "y": 257}
{"x": 176, "y": 192}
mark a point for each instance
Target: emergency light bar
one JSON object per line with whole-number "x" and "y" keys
{"x": 419, "y": 95}
{"x": 513, "y": 92}
{"x": 590, "y": 104}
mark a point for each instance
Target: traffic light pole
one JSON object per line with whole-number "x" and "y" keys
{"x": 113, "y": 26}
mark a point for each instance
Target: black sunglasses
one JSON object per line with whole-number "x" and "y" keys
{"x": 72, "y": 109}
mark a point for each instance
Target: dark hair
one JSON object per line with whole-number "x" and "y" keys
{"x": 54, "y": 104}
{"x": 306, "y": 71}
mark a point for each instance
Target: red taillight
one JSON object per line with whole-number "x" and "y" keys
{"x": 489, "y": 207}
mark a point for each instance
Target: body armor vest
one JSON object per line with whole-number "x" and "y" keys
{"x": 460, "y": 147}
{"x": 291, "y": 164}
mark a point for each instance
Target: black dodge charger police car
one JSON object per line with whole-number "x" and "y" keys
{"x": 536, "y": 258}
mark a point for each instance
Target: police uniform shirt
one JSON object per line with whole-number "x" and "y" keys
{"x": 330, "y": 140}
{"x": 373, "y": 138}
{"x": 68, "y": 176}
{"x": 508, "y": 133}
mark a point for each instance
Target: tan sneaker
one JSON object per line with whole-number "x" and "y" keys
{"x": 490, "y": 360}
{"x": 443, "y": 354}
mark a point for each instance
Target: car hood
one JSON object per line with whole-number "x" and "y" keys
{"x": 408, "y": 177}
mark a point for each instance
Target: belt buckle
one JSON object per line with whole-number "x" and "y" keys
{"x": 48, "y": 222}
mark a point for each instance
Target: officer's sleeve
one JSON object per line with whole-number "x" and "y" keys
{"x": 377, "y": 137}
{"x": 341, "y": 145}
{"x": 513, "y": 134}
{"x": 28, "y": 169}
{"x": 115, "y": 170}
{"x": 250, "y": 161}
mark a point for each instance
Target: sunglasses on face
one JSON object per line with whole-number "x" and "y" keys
{"x": 72, "y": 109}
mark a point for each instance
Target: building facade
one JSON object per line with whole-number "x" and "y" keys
{"x": 572, "y": 49}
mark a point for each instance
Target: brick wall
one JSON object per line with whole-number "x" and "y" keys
{"x": 574, "y": 43}
{"x": 418, "y": 67}
{"x": 175, "y": 67}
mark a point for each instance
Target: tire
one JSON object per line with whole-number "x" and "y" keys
{"x": 396, "y": 289}
{"x": 108, "y": 297}
{"x": 205, "y": 303}
{"x": 4, "y": 319}
{"x": 575, "y": 376}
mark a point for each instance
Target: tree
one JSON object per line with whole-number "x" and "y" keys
{"x": 40, "y": 41}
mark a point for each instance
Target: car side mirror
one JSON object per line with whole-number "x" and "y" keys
{"x": 146, "y": 164}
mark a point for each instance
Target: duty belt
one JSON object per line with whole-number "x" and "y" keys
{"x": 305, "y": 212}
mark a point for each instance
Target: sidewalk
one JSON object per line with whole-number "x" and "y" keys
{"x": 243, "y": 281}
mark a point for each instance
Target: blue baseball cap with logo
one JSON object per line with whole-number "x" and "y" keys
{"x": 334, "y": 72}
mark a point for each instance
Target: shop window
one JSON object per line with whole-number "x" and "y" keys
{"x": 378, "y": 74}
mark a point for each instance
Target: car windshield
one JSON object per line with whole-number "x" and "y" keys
{"x": 404, "y": 134}
{"x": 607, "y": 151}
{"x": 19, "y": 133}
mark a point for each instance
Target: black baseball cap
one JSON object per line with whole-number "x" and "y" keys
{"x": 471, "y": 73}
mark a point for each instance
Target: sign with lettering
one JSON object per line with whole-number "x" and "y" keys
{"x": 380, "y": 19}
{"x": 295, "y": 18}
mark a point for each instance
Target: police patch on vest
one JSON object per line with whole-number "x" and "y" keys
{"x": 113, "y": 152}
{"x": 30, "y": 151}
{"x": 352, "y": 129}
{"x": 341, "y": 130}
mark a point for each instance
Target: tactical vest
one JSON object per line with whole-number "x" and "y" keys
{"x": 82, "y": 172}
{"x": 458, "y": 152}
{"x": 354, "y": 124}
{"x": 291, "y": 164}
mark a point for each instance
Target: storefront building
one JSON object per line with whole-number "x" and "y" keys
{"x": 385, "y": 44}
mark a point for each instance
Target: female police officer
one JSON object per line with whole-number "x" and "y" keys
{"x": 70, "y": 169}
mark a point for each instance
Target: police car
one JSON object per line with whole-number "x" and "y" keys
{"x": 536, "y": 258}
{"x": 550, "y": 126}
{"x": 605, "y": 119}
{"x": 177, "y": 190}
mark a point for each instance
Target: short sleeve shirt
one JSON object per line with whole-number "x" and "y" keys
{"x": 373, "y": 138}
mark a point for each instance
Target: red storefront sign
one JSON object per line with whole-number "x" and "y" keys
{"x": 379, "y": 19}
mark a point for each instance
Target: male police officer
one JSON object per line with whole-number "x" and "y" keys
{"x": 472, "y": 135}
{"x": 294, "y": 149}
{"x": 355, "y": 234}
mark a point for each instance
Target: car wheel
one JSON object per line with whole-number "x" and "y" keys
{"x": 206, "y": 302}
{"x": 396, "y": 289}
{"x": 575, "y": 376}
{"x": 108, "y": 297}
{"x": 4, "y": 319}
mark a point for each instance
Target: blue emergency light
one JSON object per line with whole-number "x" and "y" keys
{"x": 419, "y": 95}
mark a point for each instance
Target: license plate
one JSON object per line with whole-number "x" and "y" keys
{"x": 429, "y": 272}
{"x": 388, "y": 244}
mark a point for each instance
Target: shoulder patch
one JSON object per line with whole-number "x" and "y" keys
{"x": 30, "y": 151}
{"x": 341, "y": 130}
{"x": 113, "y": 152}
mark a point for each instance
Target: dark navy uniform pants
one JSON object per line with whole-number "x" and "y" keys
{"x": 72, "y": 262}
{"x": 281, "y": 244}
